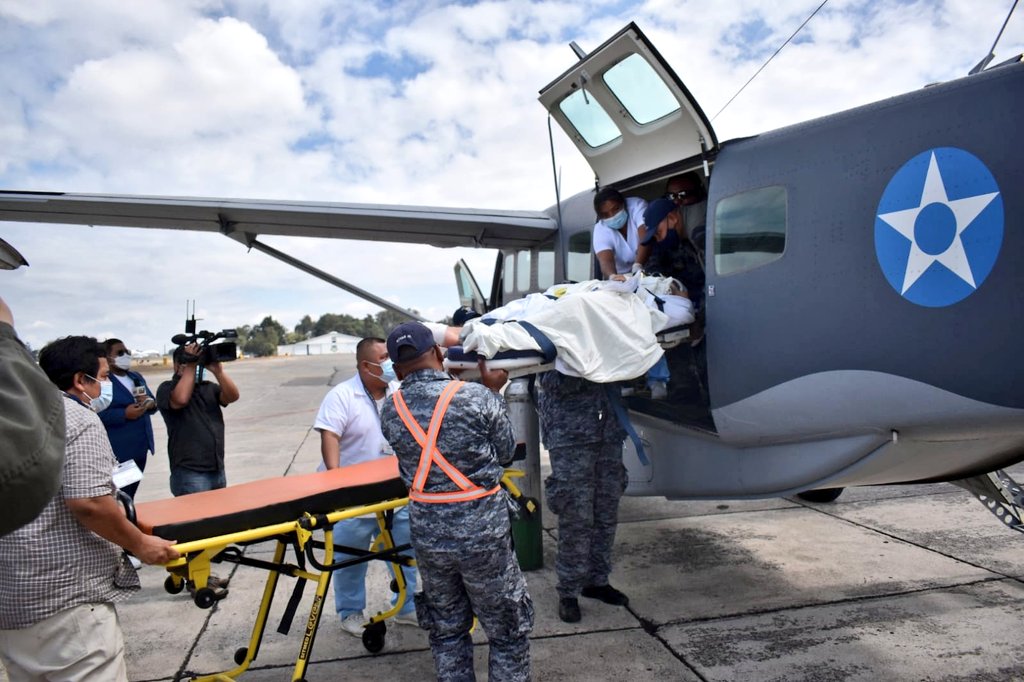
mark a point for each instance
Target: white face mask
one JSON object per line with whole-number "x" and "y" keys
{"x": 103, "y": 400}
{"x": 123, "y": 362}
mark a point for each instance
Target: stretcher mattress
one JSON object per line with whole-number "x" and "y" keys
{"x": 459, "y": 358}
{"x": 274, "y": 500}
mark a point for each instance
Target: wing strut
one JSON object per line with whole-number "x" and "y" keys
{"x": 251, "y": 242}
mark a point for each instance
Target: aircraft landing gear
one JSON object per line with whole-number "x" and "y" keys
{"x": 1000, "y": 494}
{"x": 823, "y": 495}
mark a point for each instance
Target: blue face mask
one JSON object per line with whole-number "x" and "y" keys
{"x": 616, "y": 221}
{"x": 103, "y": 400}
{"x": 387, "y": 374}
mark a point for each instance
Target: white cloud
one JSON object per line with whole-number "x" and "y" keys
{"x": 272, "y": 100}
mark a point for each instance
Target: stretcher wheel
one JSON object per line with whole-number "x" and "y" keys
{"x": 205, "y": 598}
{"x": 172, "y": 586}
{"x": 240, "y": 655}
{"x": 373, "y": 636}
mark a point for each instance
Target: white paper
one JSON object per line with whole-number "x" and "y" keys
{"x": 126, "y": 473}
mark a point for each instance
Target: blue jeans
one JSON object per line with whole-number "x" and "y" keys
{"x": 658, "y": 373}
{"x": 186, "y": 481}
{"x": 350, "y": 583}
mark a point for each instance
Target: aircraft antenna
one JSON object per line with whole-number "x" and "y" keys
{"x": 554, "y": 171}
{"x": 980, "y": 66}
{"x": 799, "y": 28}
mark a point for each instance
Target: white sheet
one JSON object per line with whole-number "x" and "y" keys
{"x": 604, "y": 331}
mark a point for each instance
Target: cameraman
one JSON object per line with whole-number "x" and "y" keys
{"x": 195, "y": 424}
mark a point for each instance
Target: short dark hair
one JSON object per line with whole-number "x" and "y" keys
{"x": 363, "y": 347}
{"x": 604, "y": 194}
{"x": 110, "y": 343}
{"x": 64, "y": 358}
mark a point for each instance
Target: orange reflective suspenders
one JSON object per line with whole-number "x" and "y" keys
{"x": 431, "y": 455}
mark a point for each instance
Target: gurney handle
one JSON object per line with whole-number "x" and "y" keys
{"x": 128, "y": 503}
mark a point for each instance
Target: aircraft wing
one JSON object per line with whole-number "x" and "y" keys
{"x": 240, "y": 218}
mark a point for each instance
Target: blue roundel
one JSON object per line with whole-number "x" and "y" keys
{"x": 939, "y": 227}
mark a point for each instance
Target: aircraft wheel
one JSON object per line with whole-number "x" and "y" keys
{"x": 821, "y": 496}
{"x": 240, "y": 654}
{"x": 394, "y": 586}
{"x": 373, "y": 637}
{"x": 172, "y": 586}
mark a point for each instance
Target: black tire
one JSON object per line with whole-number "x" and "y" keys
{"x": 373, "y": 637}
{"x": 821, "y": 496}
{"x": 205, "y": 598}
{"x": 240, "y": 654}
{"x": 394, "y": 586}
{"x": 173, "y": 587}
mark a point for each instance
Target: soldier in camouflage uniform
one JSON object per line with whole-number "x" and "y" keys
{"x": 458, "y": 512}
{"x": 584, "y": 441}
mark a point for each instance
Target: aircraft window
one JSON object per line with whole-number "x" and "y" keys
{"x": 640, "y": 89}
{"x": 510, "y": 267}
{"x": 546, "y": 267}
{"x": 589, "y": 119}
{"x": 523, "y": 271}
{"x": 577, "y": 266}
{"x": 750, "y": 229}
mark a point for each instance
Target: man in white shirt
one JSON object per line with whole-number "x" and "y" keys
{"x": 349, "y": 426}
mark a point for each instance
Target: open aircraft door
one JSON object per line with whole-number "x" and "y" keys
{"x": 627, "y": 111}
{"x": 470, "y": 295}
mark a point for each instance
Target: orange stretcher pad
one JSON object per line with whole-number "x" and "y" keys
{"x": 295, "y": 512}
{"x": 249, "y": 506}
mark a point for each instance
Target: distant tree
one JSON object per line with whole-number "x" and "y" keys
{"x": 305, "y": 327}
{"x": 389, "y": 319}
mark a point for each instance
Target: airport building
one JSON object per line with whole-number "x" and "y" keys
{"x": 333, "y": 342}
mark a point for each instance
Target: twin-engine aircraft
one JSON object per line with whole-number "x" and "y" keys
{"x": 864, "y": 302}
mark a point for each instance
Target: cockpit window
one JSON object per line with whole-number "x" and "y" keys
{"x": 640, "y": 90}
{"x": 589, "y": 119}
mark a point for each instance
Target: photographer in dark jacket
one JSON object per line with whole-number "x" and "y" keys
{"x": 195, "y": 429}
{"x": 195, "y": 424}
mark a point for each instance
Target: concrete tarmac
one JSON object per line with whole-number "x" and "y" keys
{"x": 888, "y": 583}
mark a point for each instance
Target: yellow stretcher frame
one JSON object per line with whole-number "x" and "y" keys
{"x": 197, "y": 555}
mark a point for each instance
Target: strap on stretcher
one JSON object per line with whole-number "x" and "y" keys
{"x": 615, "y": 399}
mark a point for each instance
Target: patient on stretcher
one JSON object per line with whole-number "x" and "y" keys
{"x": 601, "y": 330}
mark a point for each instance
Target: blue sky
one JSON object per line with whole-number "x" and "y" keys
{"x": 429, "y": 104}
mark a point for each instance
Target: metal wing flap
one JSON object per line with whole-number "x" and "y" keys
{"x": 370, "y": 222}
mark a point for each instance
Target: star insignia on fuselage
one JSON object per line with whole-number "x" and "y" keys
{"x": 930, "y": 222}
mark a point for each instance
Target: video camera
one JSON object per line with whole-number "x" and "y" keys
{"x": 209, "y": 352}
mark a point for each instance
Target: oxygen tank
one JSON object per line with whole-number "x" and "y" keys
{"x": 527, "y": 530}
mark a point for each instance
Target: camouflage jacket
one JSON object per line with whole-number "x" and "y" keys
{"x": 575, "y": 411}
{"x": 476, "y": 438}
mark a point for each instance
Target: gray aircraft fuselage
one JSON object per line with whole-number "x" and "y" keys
{"x": 821, "y": 373}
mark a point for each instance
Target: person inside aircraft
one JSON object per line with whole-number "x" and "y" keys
{"x": 674, "y": 254}
{"x": 617, "y": 231}
{"x": 687, "y": 192}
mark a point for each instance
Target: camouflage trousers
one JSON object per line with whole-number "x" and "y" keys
{"x": 486, "y": 582}
{"x": 584, "y": 489}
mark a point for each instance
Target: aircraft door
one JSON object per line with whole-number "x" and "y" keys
{"x": 470, "y": 295}
{"x": 626, "y": 110}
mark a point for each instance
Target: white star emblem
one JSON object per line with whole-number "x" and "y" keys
{"x": 964, "y": 210}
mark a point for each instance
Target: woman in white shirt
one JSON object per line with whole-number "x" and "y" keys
{"x": 616, "y": 233}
